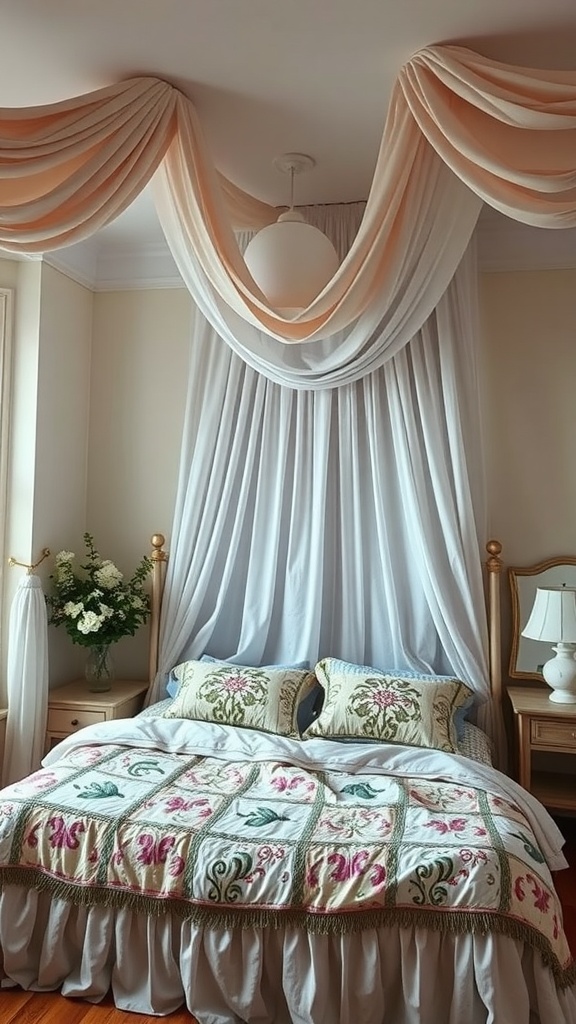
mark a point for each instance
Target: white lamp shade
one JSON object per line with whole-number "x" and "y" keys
{"x": 553, "y": 616}
{"x": 291, "y": 262}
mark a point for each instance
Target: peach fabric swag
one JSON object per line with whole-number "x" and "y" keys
{"x": 505, "y": 133}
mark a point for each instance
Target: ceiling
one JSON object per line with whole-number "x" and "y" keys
{"x": 266, "y": 76}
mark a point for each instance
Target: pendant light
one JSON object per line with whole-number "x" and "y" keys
{"x": 291, "y": 261}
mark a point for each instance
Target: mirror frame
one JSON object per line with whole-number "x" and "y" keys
{"x": 513, "y": 573}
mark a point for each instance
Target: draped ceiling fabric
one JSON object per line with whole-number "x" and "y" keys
{"x": 461, "y": 130}
{"x": 506, "y": 135}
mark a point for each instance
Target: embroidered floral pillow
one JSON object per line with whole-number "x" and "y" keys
{"x": 349, "y": 668}
{"x": 253, "y": 698}
{"x": 370, "y": 706}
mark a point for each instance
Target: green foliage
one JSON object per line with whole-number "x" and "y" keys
{"x": 96, "y": 605}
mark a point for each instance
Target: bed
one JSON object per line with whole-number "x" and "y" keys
{"x": 289, "y": 845}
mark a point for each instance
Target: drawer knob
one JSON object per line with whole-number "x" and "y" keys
{"x": 74, "y": 721}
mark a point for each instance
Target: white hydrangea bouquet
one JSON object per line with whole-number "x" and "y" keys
{"x": 96, "y": 605}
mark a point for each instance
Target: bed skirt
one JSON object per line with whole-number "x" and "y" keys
{"x": 378, "y": 976}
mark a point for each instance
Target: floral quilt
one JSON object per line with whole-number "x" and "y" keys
{"x": 267, "y": 842}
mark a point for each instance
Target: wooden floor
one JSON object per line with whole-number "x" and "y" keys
{"x": 17, "y": 1007}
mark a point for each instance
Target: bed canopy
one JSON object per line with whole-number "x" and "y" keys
{"x": 457, "y": 124}
{"x": 396, "y": 319}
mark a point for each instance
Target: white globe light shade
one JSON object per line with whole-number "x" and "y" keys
{"x": 291, "y": 262}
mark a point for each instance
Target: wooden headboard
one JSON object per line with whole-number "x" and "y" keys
{"x": 494, "y": 567}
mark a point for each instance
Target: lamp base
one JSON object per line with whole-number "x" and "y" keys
{"x": 561, "y": 697}
{"x": 560, "y": 674}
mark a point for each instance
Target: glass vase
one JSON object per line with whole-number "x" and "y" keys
{"x": 99, "y": 668}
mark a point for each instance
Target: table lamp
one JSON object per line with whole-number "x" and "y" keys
{"x": 553, "y": 619}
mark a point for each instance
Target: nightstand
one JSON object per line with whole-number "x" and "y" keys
{"x": 73, "y": 706}
{"x": 542, "y": 726}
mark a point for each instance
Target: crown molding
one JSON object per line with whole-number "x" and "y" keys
{"x": 122, "y": 268}
{"x": 506, "y": 245}
{"x": 78, "y": 262}
{"x": 21, "y": 257}
{"x": 117, "y": 268}
{"x": 503, "y": 245}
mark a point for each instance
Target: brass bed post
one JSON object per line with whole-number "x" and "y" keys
{"x": 159, "y": 559}
{"x": 494, "y": 565}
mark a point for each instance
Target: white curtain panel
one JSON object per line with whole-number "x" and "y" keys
{"x": 27, "y": 680}
{"x": 345, "y": 521}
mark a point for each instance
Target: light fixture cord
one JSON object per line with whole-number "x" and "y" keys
{"x": 292, "y": 187}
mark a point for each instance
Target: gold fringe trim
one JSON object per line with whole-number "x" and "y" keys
{"x": 454, "y": 922}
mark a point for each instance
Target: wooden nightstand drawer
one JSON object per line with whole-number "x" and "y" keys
{"x": 545, "y": 728}
{"x": 546, "y": 733}
{"x": 70, "y": 720}
{"x": 73, "y": 706}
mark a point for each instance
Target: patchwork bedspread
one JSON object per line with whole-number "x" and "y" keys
{"x": 327, "y": 844}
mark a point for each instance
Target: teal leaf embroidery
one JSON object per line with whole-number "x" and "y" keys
{"x": 144, "y": 768}
{"x": 262, "y": 816}
{"x": 531, "y": 850}
{"x": 361, "y": 789}
{"x": 99, "y": 791}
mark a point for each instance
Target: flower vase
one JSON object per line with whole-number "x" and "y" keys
{"x": 99, "y": 668}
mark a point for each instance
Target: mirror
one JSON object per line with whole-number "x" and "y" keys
{"x": 528, "y": 656}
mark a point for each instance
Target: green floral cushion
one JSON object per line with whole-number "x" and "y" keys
{"x": 255, "y": 698}
{"x": 365, "y": 706}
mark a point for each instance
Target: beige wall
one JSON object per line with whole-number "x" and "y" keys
{"x": 62, "y": 435}
{"x": 99, "y": 388}
{"x": 529, "y": 407}
{"x": 138, "y": 392}
{"x": 529, "y": 390}
{"x": 49, "y": 427}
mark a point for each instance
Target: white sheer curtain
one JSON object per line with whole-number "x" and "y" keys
{"x": 346, "y": 521}
{"x": 27, "y": 680}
